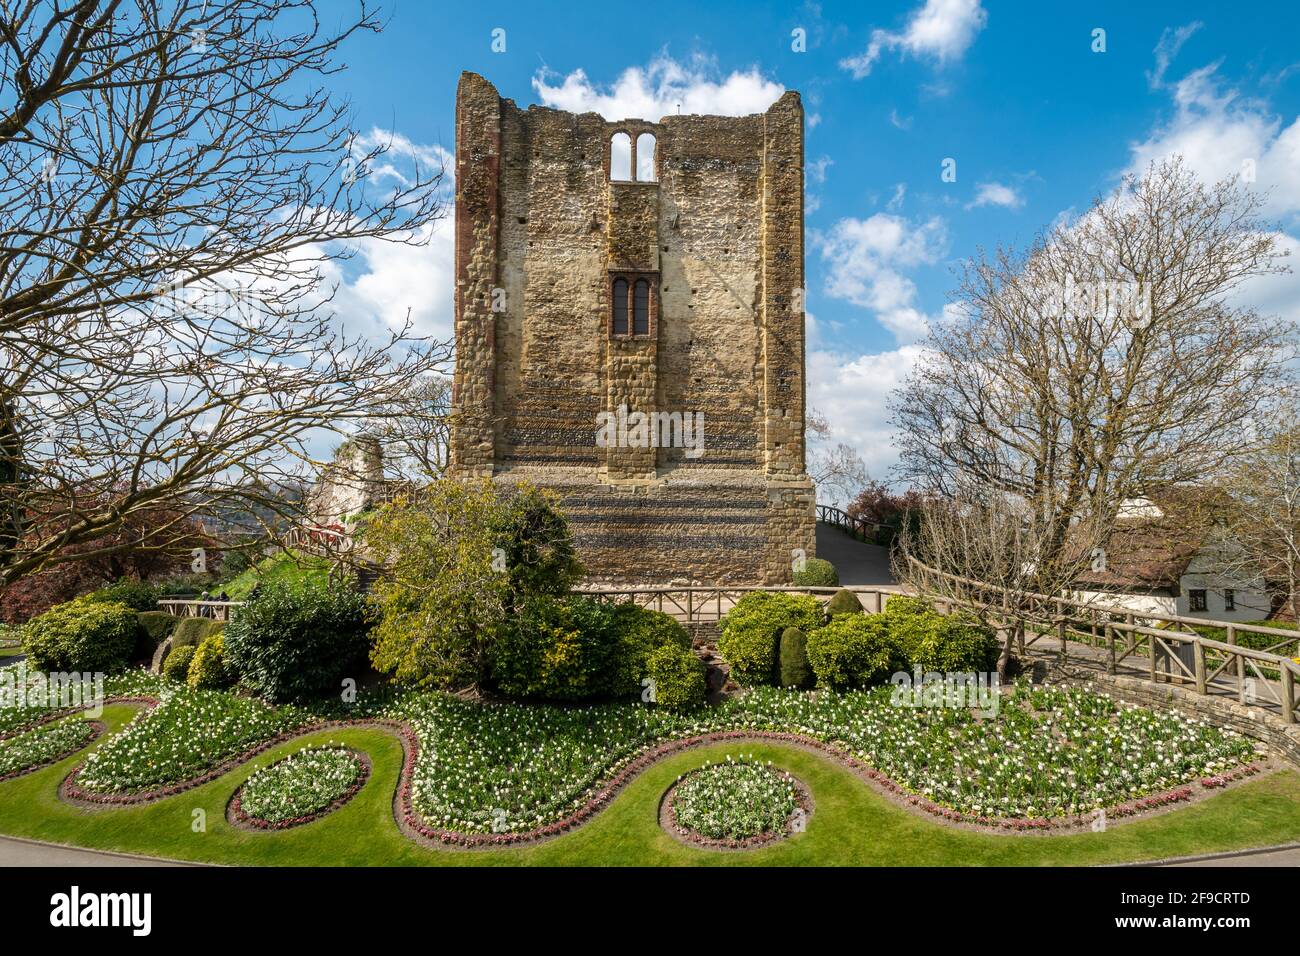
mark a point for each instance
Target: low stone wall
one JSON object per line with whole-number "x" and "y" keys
{"x": 1253, "y": 722}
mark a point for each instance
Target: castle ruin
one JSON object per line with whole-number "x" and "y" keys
{"x": 630, "y": 331}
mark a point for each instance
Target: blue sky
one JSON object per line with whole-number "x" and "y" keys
{"x": 1037, "y": 122}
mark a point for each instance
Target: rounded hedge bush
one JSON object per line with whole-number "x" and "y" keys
{"x": 944, "y": 643}
{"x": 843, "y": 601}
{"x": 193, "y": 631}
{"x": 177, "y": 664}
{"x": 853, "y": 650}
{"x": 795, "y": 671}
{"x": 288, "y": 643}
{"x": 82, "y": 635}
{"x": 207, "y": 670}
{"x": 817, "y": 573}
{"x": 637, "y": 632}
{"x": 678, "y": 676}
{"x": 155, "y": 627}
{"x": 752, "y": 628}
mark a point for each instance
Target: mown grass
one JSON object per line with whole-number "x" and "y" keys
{"x": 851, "y": 825}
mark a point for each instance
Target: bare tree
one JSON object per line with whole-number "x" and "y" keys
{"x": 1265, "y": 521}
{"x": 172, "y": 179}
{"x": 838, "y": 471}
{"x": 1106, "y": 361}
{"x": 415, "y": 431}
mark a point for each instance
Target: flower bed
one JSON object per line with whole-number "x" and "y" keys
{"x": 739, "y": 803}
{"x": 188, "y": 733}
{"x": 300, "y": 788}
{"x": 44, "y": 745}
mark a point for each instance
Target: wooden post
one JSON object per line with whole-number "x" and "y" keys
{"x": 1288, "y": 695}
{"x": 1151, "y": 656}
{"x": 1110, "y": 639}
{"x": 1061, "y": 636}
{"x": 1132, "y": 641}
{"x": 1240, "y": 668}
{"x": 1198, "y": 655}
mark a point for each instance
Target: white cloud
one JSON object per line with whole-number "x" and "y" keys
{"x": 898, "y": 121}
{"x": 941, "y": 30}
{"x": 1171, "y": 41}
{"x": 896, "y": 201}
{"x": 996, "y": 194}
{"x": 864, "y": 258}
{"x": 853, "y": 393}
{"x": 662, "y": 88}
{"x": 816, "y": 169}
{"x": 1220, "y": 134}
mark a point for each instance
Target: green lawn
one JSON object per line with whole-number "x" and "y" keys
{"x": 850, "y": 826}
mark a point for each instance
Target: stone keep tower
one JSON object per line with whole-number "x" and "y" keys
{"x": 649, "y": 268}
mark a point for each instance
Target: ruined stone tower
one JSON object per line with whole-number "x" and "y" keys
{"x": 605, "y": 269}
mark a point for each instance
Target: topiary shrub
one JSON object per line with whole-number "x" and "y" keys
{"x": 290, "y": 643}
{"x": 843, "y": 601}
{"x": 82, "y": 635}
{"x": 945, "y": 643}
{"x": 795, "y": 671}
{"x": 177, "y": 665}
{"x": 752, "y": 628}
{"x": 137, "y": 595}
{"x": 678, "y": 678}
{"x": 637, "y": 632}
{"x": 193, "y": 631}
{"x": 155, "y": 627}
{"x": 817, "y": 573}
{"x": 853, "y": 650}
{"x": 902, "y": 606}
{"x": 207, "y": 670}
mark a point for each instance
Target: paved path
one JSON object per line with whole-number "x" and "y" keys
{"x": 16, "y": 852}
{"x": 857, "y": 563}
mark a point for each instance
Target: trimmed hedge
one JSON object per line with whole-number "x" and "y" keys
{"x": 795, "y": 671}
{"x": 945, "y": 643}
{"x": 289, "y": 643}
{"x": 193, "y": 631}
{"x": 843, "y": 602}
{"x": 155, "y": 627}
{"x": 137, "y": 595}
{"x": 751, "y": 631}
{"x": 177, "y": 665}
{"x": 853, "y": 650}
{"x": 817, "y": 573}
{"x": 679, "y": 678}
{"x": 82, "y": 635}
{"x": 207, "y": 670}
{"x": 639, "y": 631}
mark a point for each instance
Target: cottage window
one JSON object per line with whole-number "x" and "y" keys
{"x": 1196, "y": 599}
{"x": 1229, "y": 599}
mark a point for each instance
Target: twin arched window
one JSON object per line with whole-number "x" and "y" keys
{"x": 626, "y": 156}
{"x": 630, "y": 298}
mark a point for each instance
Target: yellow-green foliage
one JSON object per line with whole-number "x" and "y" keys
{"x": 752, "y": 628}
{"x": 207, "y": 670}
{"x": 853, "y": 650}
{"x": 82, "y": 635}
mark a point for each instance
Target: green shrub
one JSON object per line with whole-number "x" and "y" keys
{"x": 291, "y": 643}
{"x": 137, "y": 595}
{"x": 678, "y": 676}
{"x": 853, "y": 650}
{"x": 193, "y": 631}
{"x": 843, "y": 601}
{"x": 946, "y": 643}
{"x": 207, "y": 670}
{"x": 817, "y": 573}
{"x": 795, "y": 671}
{"x": 901, "y": 606}
{"x": 155, "y": 627}
{"x": 752, "y": 628}
{"x": 82, "y": 635}
{"x": 637, "y": 632}
{"x": 177, "y": 664}
{"x": 554, "y": 649}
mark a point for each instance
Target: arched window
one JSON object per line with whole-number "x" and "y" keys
{"x": 641, "y": 308}
{"x": 645, "y": 158}
{"x": 620, "y": 156}
{"x": 620, "y": 306}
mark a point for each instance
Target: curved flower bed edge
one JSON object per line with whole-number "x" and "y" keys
{"x": 236, "y": 815}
